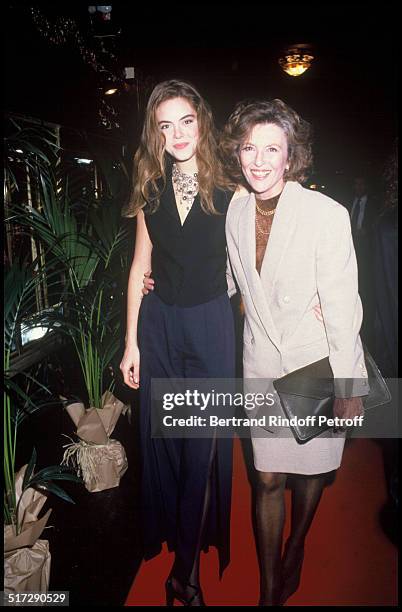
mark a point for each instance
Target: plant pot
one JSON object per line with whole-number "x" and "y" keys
{"x": 27, "y": 568}
{"x": 26, "y": 558}
{"x": 99, "y": 459}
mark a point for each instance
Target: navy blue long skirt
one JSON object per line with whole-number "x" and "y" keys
{"x": 185, "y": 342}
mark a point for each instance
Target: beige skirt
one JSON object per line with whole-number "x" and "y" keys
{"x": 284, "y": 454}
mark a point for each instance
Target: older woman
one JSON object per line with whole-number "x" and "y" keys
{"x": 290, "y": 250}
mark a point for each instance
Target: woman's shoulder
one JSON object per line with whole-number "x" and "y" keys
{"x": 321, "y": 204}
{"x": 238, "y": 201}
{"x": 239, "y": 197}
{"x": 158, "y": 194}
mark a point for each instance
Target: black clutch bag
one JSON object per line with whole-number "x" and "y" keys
{"x": 309, "y": 391}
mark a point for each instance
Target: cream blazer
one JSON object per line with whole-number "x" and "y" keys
{"x": 309, "y": 260}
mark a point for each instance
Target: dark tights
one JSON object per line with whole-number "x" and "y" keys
{"x": 270, "y": 518}
{"x": 179, "y": 582}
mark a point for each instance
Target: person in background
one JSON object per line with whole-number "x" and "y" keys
{"x": 385, "y": 234}
{"x": 361, "y": 208}
{"x": 385, "y": 245}
{"x": 362, "y": 214}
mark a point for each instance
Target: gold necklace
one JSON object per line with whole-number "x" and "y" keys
{"x": 260, "y": 231}
{"x": 265, "y": 213}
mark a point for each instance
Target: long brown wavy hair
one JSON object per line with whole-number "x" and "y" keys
{"x": 151, "y": 159}
{"x": 246, "y": 116}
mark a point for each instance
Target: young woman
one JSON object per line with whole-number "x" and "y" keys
{"x": 184, "y": 329}
{"x": 291, "y": 250}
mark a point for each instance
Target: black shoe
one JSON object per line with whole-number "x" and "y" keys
{"x": 195, "y": 599}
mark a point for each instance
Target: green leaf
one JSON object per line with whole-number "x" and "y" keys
{"x": 56, "y": 472}
{"x": 11, "y": 385}
{"x": 52, "y": 488}
{"x": 29, "y": 470}
{"x": 68, "y": 477}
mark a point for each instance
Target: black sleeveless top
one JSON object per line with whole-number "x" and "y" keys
{"x": 189, "y": 260}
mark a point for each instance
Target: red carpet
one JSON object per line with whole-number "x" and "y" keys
{"x": 348, "y": 562}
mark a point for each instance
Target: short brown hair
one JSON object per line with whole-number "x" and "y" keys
{"x": 246, "y": 116}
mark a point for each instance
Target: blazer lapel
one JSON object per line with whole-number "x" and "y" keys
{"x": 247, "y": 249}
{"x": 285, "y": 219}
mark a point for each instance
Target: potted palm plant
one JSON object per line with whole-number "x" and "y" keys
{"x": 27, "y": 557}
{"x": 84, "y": 250}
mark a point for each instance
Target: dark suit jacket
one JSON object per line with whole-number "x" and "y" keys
{"x": 386, "y": 291}
{"x": 370, "y": 212}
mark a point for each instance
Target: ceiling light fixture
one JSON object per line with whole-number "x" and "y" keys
{"x": 296, "y": 59}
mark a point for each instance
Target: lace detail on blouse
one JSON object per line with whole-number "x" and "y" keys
{"x": 263, "y": 225}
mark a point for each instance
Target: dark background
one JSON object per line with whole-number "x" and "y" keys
{"x": 229, "y": 53}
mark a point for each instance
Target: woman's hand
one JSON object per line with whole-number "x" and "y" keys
{"x": 148, "y": 283}
{"x": 347, "y": 408}
{"x": 130, "y": 367}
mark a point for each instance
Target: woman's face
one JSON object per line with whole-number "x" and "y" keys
{"x": 264, "y": 159}
{"x": 177, "y": 120}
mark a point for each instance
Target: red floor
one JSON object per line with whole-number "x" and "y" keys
{"x": 348, "y": 562}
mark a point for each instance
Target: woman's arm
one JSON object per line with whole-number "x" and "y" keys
{"x": 337, "y": 284}
{"x": 149, "y": 283}
{"x": 130, "y": 364}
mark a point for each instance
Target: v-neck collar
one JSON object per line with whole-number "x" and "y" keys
{"x": 261, "y": 285}
{"x": 168, "y": 200}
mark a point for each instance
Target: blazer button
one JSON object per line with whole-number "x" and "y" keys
{"x": 286, "y": 299}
